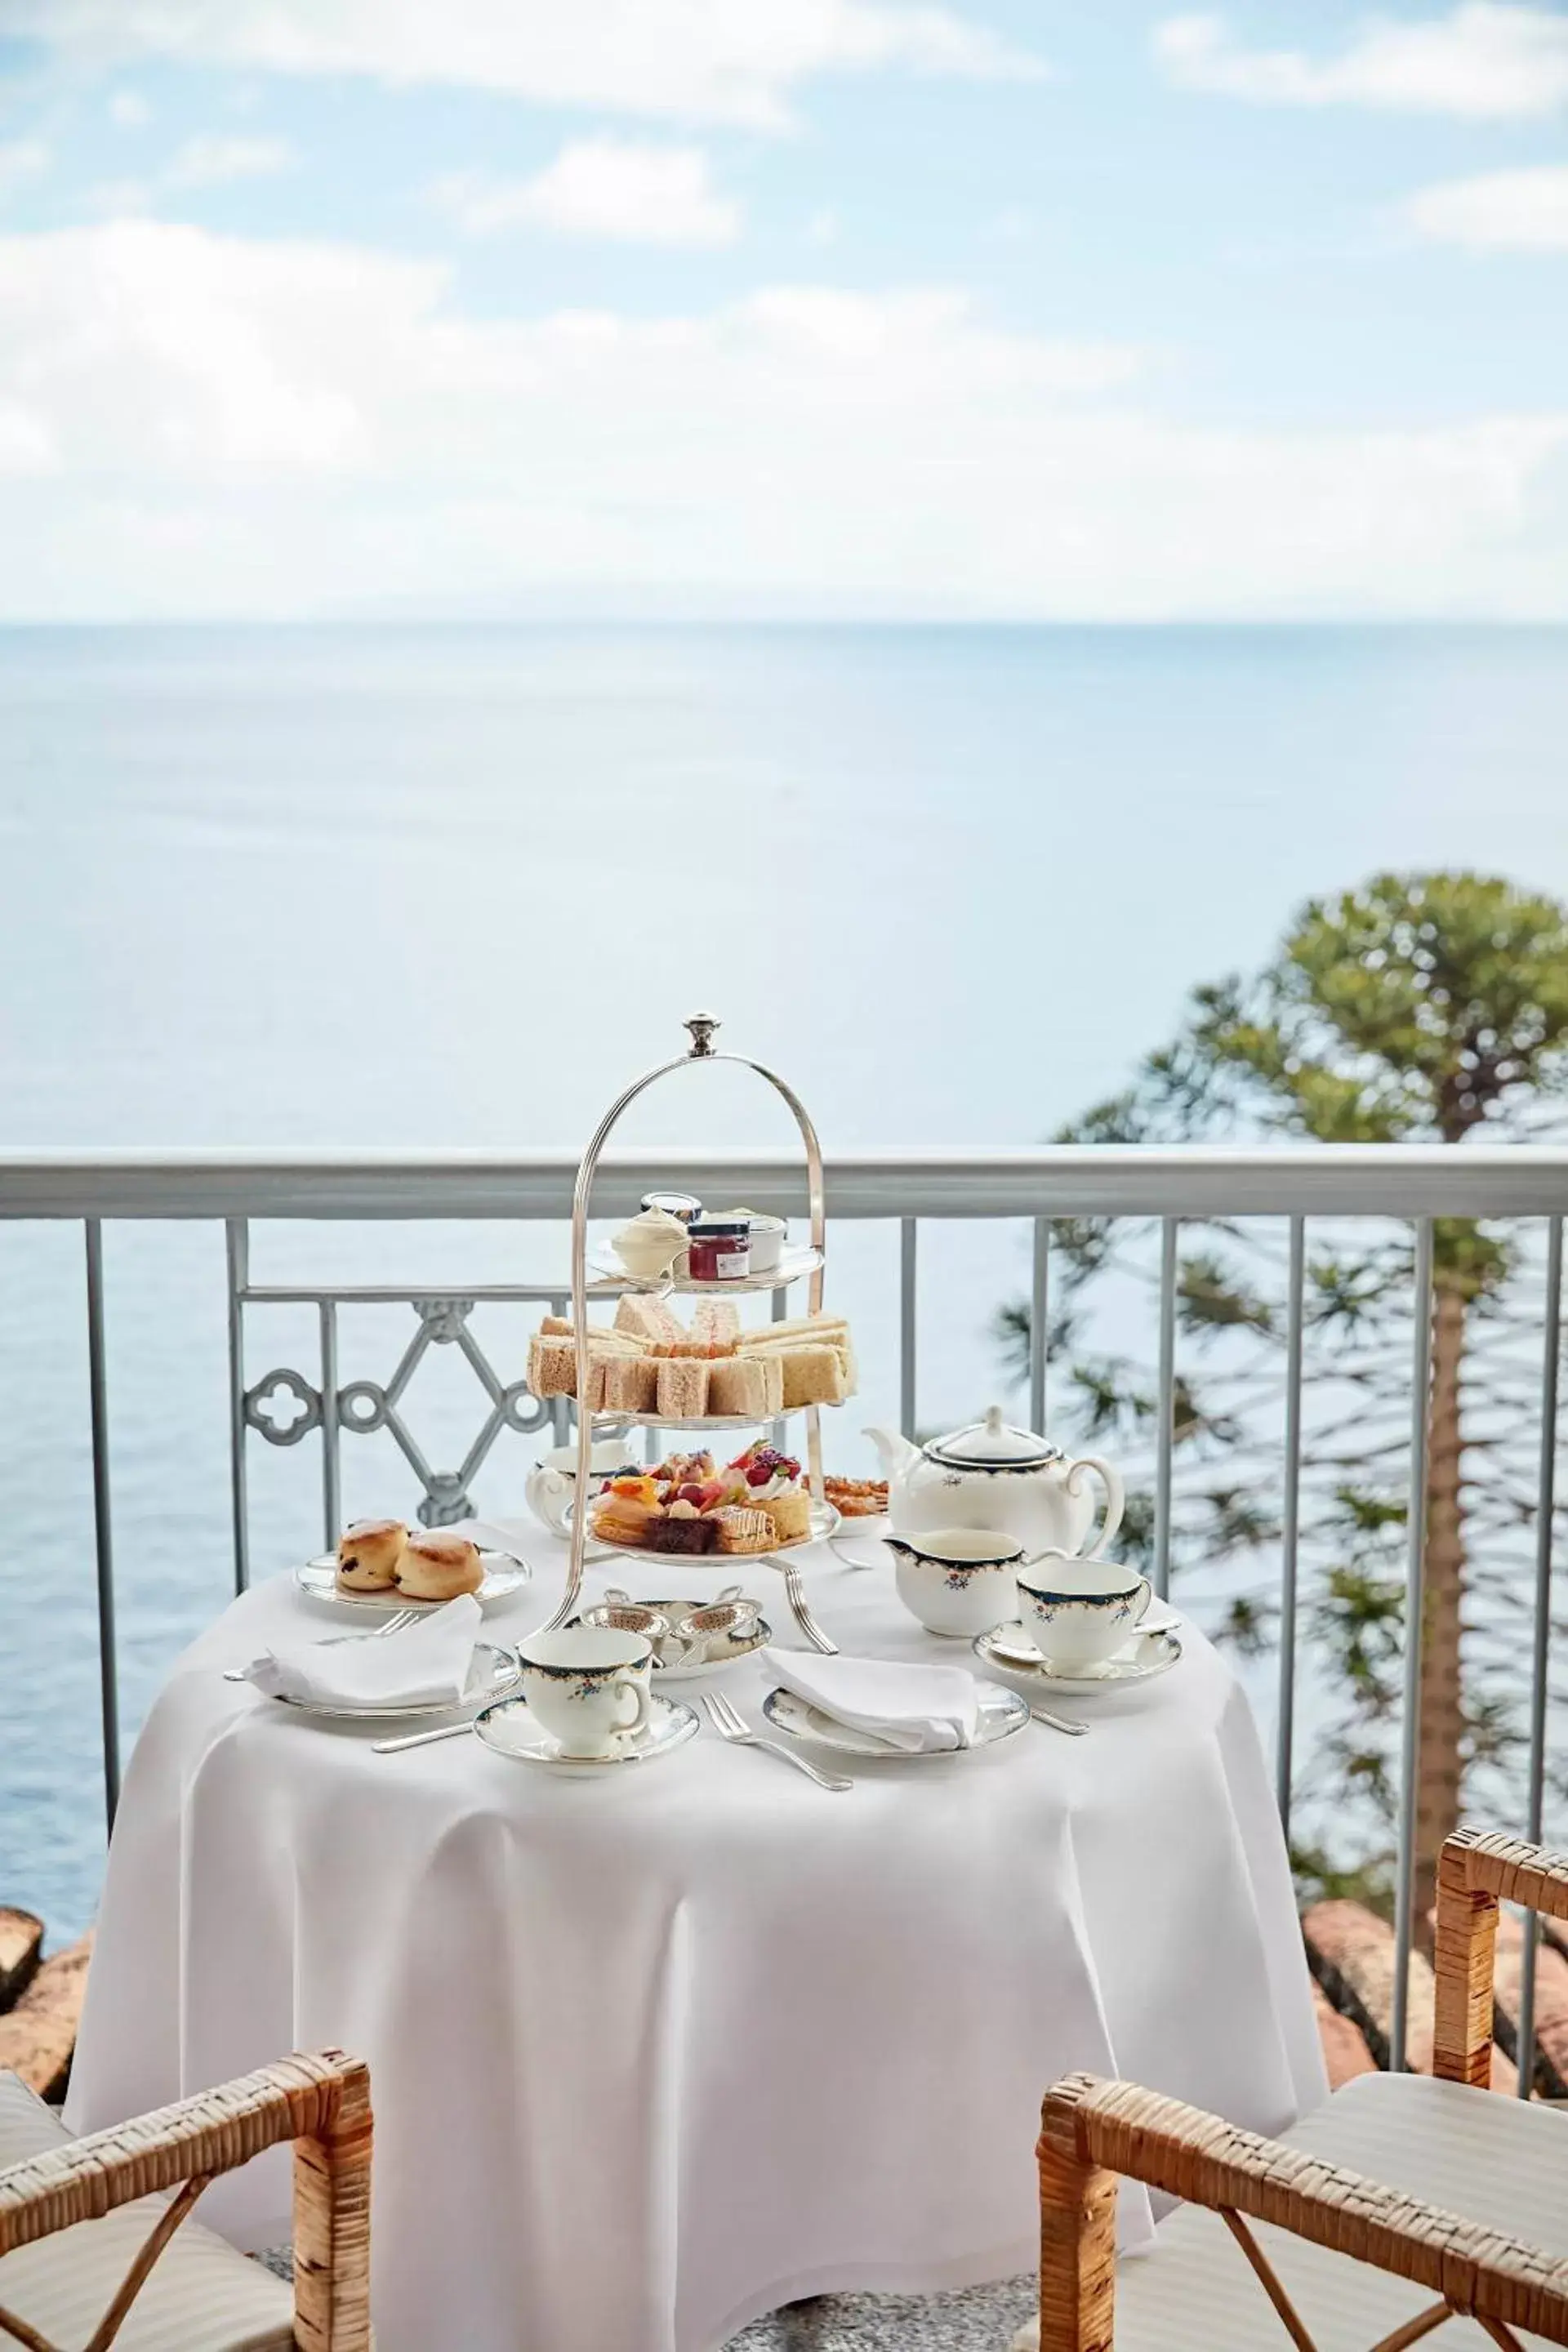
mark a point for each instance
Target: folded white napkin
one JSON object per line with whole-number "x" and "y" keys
{"x": 911, "y": 1706}
{"x": 424, "y": 1665}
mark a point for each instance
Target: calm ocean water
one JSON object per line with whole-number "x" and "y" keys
{"x": 455, "y": 885}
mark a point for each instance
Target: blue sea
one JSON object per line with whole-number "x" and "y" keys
{"x": 432, "y": 886}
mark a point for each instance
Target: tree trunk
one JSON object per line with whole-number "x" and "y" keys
{"x": 1441, "y": 1719}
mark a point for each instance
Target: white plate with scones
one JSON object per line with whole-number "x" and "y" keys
{"x": 382, "y": 1565}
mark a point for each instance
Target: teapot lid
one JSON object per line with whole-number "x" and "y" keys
{"x": 992, "y": 1445}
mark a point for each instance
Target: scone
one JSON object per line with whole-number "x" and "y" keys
{"x": 438, "y": 1567}
{"x": 368, "y": 1555}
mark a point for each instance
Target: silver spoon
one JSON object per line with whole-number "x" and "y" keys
{"x": 420, "y": 1739}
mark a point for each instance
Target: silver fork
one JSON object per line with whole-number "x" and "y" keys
{"x": 729, "y": 1725}
{"x": 393, "y": 1624}
{"x": 795, "y": 1593}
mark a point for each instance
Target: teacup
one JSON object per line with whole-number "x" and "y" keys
{"x": 552, "y": 1481}
{"x": 960, "y": 1581}
{"x": 588, "y": 1686}
{"x": 1082, "y": 1612}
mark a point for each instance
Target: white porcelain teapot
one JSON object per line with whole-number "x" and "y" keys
{"x": 1008, "y": 1480}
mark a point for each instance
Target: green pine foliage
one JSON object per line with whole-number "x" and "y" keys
{"x": 1416, "y": 1009}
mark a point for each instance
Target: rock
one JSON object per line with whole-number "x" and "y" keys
{"x": 37, "y": 2036}
{"x": 1351, "y": 1953}
{"x": 1345, "y": 2052}
{"x": 21, "y": 1941}
{"x": 1550, "y": 2004}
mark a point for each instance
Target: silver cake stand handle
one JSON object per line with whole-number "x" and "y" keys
{"x": 701, "y": 1026}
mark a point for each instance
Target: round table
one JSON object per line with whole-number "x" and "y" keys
{"x": 654, "y": 2051}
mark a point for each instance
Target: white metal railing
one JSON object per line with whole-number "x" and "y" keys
{"x": 906, "y": 1187}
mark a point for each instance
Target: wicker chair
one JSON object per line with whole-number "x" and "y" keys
{"x": 84, "y": 2224}
{"x": 1404, "y": 2204}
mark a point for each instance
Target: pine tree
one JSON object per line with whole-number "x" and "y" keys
{"x": 1418, "y": 1008}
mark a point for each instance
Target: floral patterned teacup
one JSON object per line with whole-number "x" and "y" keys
{"x": 1082, "y": 1612}
{"x": 960, "y": 1581}
{"x": 587, "y": 1686}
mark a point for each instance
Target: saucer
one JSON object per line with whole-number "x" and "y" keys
{"x": 1002, "y": 1713}
{"x": 491, "y": 1674}
{"x": 1012, "y": 1651}
{"x": 512, "y": 1730}
{"x": 318, "y": 1580}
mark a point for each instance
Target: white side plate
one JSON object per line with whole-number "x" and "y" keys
{"x": 318, "y": 1580}
{"x": 493, "y": 1674}
{"x": 1002, "y": 1714}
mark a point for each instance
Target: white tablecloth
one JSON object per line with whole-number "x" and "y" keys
{"x": 654, "y": 2053}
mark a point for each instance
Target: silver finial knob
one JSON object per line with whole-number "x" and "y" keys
{"x": 702, "y": 1025}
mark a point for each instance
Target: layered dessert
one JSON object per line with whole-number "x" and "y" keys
{"x": 689, "y": 1506}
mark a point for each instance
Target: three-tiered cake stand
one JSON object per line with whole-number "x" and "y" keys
{"x": 795, "y": 1266}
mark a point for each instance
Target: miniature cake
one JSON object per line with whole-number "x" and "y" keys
{"x": 688, "y": 1504}
{"x": 744, "y": 1530}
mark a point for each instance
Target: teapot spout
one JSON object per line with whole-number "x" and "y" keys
{"x": 897, "y": 1456}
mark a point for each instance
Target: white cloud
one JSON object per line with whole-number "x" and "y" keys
{"x": 21, "y": 160}
{"x": 1487, "y": 57}
{"x": 611, "y": 188}
{"x": 190, "y": 424}
{"x": 719, "y": 60}
{"x": 128, "y": 109}
{"x": 210, "y": 159}
{"x": 1525, "y": 211}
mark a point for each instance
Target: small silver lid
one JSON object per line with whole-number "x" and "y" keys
{"x": 992, "y": 1445}
{"x": 684, "y": 1205}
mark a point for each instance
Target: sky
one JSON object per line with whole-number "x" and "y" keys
{"x": 795, "y": 308}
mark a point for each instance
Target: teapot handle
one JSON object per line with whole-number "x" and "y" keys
{"x": 1115, "y": 1500}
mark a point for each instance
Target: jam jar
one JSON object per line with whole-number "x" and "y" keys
{"x": 719, "y": 1249}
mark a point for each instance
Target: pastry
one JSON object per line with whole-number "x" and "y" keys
{"x": 622, "y": 1519}
{"x": 742, "y": 1529}
{"x": 857, "y": 1499}
{"x": 791, "y": 1515}
{"x": 437, "y": 1567}
{"x": 682, "y": 1388}
{"x": 631, "y": 1384}
{"x": 648, "y": 1322}
{"x": 368, "y": 1554}
{"x": 716, "y": 1325}
{"x": 749, "y": 1387}
{"x": 671, "y": 1533}
{"x": 811, "y": 1376}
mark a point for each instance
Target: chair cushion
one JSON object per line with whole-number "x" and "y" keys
{"x": 200, "y": 2296}
{"x": 1494, "y": 2160}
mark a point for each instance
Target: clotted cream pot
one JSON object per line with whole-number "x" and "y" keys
{"x": 1005, "y": 1480}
